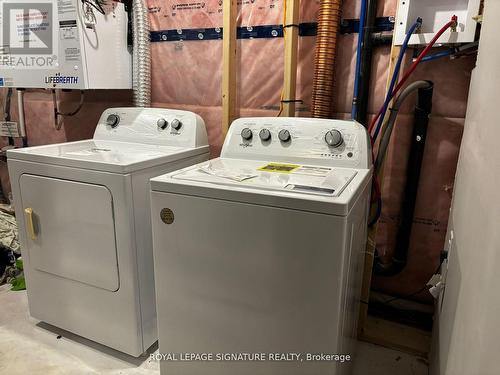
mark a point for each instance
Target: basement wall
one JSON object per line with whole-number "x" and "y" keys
{"x": 188, "y": 75}
{"x": 465, "y": 338}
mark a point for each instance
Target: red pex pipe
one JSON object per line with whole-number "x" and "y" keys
{"x": 452, "y": 23}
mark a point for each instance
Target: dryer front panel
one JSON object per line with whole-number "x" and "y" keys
{"x": 70, "y": 230}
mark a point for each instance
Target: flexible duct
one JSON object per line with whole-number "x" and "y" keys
{"x": 326, "y": 44}
{"x": 141, "y": 56}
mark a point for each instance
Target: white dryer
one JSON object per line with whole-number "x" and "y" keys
{"x": 261, "y": 250}
{"x": 84, "y": 222}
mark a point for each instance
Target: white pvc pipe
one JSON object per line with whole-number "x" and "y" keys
{"x": 20, "y": 109}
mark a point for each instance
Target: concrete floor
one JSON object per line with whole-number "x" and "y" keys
{"x": 30, "y": 347}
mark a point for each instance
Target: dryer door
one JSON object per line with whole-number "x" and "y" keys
{"x": 70, "y": 230}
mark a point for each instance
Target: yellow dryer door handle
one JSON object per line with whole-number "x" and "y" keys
{"x": 29, "y": 221}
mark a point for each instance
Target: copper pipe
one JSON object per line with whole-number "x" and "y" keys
{"x": 324, "y": 63}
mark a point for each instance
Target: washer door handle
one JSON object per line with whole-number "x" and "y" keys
{"x": 31, "y": 226}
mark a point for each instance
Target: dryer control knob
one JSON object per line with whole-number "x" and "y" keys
{"x": 162, "y": 123}
{"x": 284, "y": 135}
{"x": 246, "y": 134}
{"x": 265, "y": 134}
{"x": 176, "y": 124}
{"x": 113, "y": 120}
{"x": 334, "y": 138}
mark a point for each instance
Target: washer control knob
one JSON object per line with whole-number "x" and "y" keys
{"x": 334, "y": 138}
{"x": 113, "y": 120}
{"x": 176, "y": 124}
{"x": 246, "y": 134}
{"x": 162, "y": 123}
{"x": 265, "y": 134}
{"x": 284, "y": 135}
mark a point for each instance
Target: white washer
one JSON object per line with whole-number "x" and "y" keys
{"x": 262, "y": 249}
{"x": 85, "y": 225}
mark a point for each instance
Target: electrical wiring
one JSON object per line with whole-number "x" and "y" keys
{"x": 57, "y": 114}
{"x": 416, "y": 25}
{"x": 425, "y": 287}
{"x": 403, "y": 80}
{"x": 96, "y": 5}
{"x": 281, "y": 108}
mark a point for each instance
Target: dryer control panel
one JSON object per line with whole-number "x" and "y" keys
{"x": 156, "y": 126}
{"x": 322, "y": 141}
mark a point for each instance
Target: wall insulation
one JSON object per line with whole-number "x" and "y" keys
{"x": 187, "y": 74}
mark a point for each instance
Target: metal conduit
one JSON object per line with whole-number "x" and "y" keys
{"x": 326, "y": 44}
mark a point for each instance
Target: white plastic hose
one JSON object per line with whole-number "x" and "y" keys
{"x": 141, "y": 56}
{"x": 20, "y": 106}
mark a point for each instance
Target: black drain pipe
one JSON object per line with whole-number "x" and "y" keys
{"x": 8, "y": 99}
{"x": 366, "y": 61}
{"x": 423, "y": 110}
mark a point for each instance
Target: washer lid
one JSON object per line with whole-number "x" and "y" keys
{"x": 308, "y": 187}
{"x": 110, "y": 156}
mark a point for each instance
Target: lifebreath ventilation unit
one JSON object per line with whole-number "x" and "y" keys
{"x": 64, "y": 44}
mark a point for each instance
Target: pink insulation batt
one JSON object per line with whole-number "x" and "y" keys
{"x": 188, "y": 75}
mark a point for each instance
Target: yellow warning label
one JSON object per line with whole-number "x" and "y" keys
{"x": 279, "y": 168}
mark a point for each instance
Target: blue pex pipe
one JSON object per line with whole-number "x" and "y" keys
{"x": 438, "y": 55}
{"x": 395, "y": 76}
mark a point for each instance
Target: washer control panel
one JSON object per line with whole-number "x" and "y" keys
{"x": 159, "y": 126}
{"x": 327, "y": 142}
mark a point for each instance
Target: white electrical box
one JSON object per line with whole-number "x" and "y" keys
{"x": 435, "y": 14}
{"x": 64, "y": 44}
